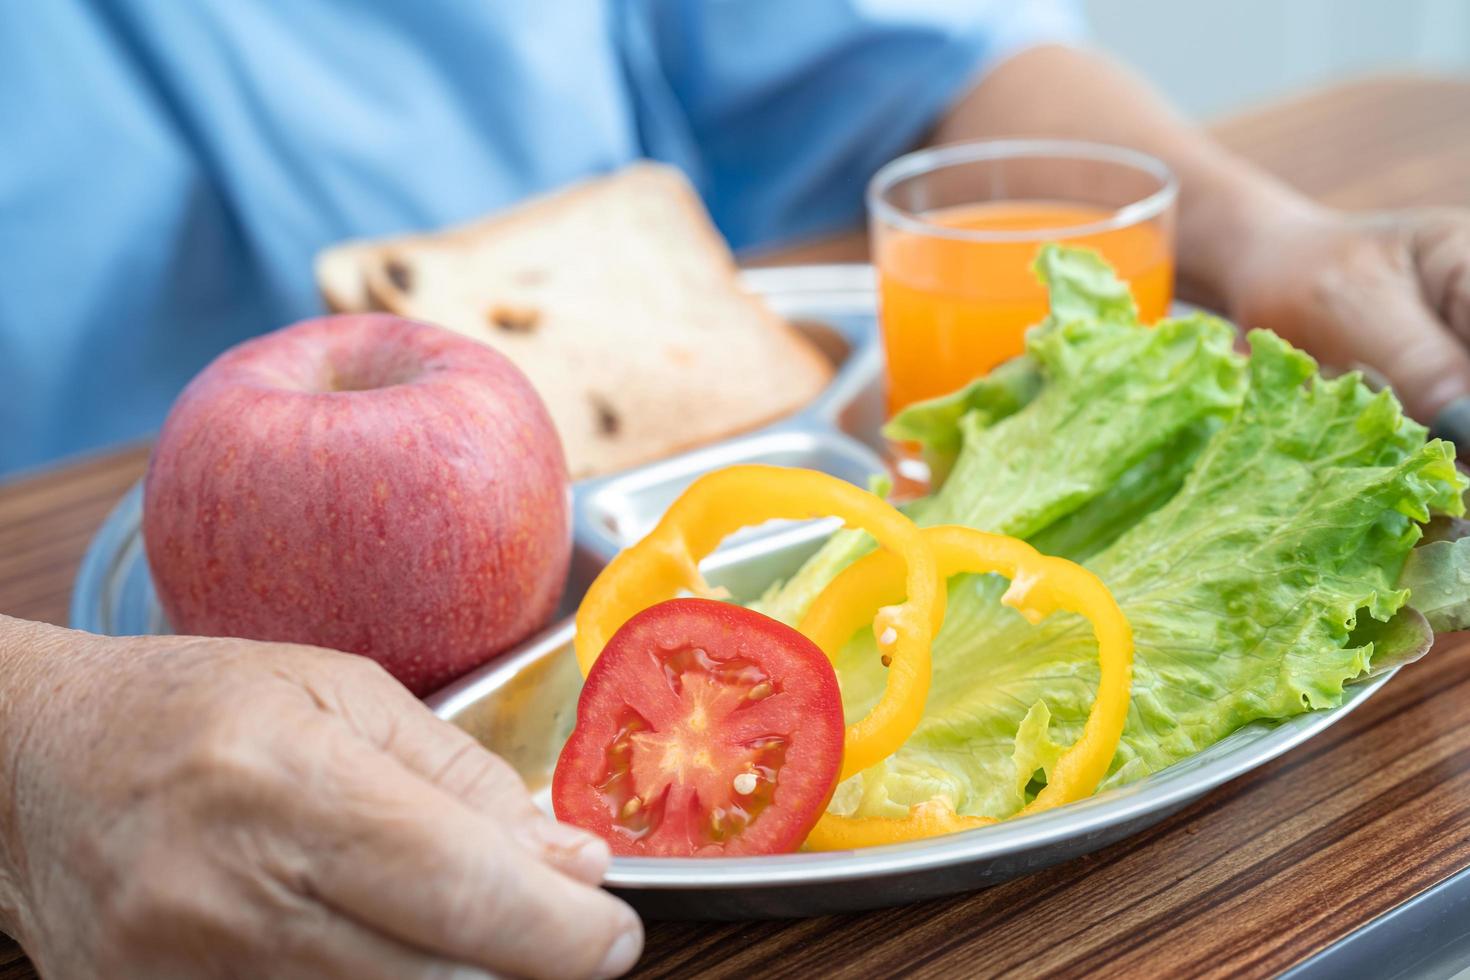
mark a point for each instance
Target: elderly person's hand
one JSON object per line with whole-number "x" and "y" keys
{"x": 190, "y": 807}
{"x": 1388, "y": 290}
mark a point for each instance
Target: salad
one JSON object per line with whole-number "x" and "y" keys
{"x": 1264, "y": 535}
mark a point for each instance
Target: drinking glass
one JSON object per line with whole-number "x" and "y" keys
{"x": 955, "y": 230}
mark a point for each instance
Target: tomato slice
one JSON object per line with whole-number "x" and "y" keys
{"x": 704, "y": 729}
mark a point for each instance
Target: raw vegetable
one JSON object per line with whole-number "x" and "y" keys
{"x": 935, "y": 424}
{"x": 703, "y": 729}
{"x": 1122, "y": 410}
{"x": 1039, "y": 586}
{"x": 1437, "y": 575}
{"x": 1251, "y": 519}
{"x": 719, "y": 503}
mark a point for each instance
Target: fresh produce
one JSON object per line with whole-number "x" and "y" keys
{"x": 1039, "y": 586}
{"x": 703, "y": 729}
{"x": 720, "y": 503}
{"x": 611, "y": 790}
{"x": 1250, "y": 523}
{"x": 1255, "y": 522}
{"x": 364, "y": 483}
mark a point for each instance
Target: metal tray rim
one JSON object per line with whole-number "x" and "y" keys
{"x": 1157, "y": 792}
{"x": 1153, "y": 793}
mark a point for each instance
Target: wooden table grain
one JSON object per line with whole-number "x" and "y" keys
{"x": 1258, "y": 875}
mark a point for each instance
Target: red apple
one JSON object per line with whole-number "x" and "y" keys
{"x": 365, "y": 483}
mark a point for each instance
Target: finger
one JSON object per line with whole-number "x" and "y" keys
{"x": 419, "y": 865}
{"x": 391, "y": 718}
{"x": 452, "y": 760}
{"x": 455, "y": 762}
{"x": 1427, "y": 366}
{"x": 1441, "y": 252}
{"x": 544, "y": 907}
{"x": 336, "y": 946}
{"x": 1384, "y": 322}
{"x": 574, "y": 852}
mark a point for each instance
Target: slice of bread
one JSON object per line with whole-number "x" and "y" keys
{"x": 619, "y": 300}
{"x": 341, "y": 275}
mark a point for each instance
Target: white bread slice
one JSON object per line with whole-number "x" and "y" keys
{"x": 620, "y": 301}
{"x": 341, "y": 275}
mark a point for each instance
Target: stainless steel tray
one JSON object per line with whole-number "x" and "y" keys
{"x": 522, "y": 705}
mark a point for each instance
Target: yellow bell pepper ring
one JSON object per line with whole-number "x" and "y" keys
{"x": 1040, "y": 585}
{"x": 931, "y": 818}
{"x": 719, "y": 503}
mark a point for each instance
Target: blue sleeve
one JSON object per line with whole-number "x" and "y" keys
{"x": 793, "y": 106}
{"x": 94, "y": 192}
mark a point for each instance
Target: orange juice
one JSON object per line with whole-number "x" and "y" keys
{"x": 954, "y": 308}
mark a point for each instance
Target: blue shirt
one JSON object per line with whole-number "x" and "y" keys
{"x": 168, "y": 169}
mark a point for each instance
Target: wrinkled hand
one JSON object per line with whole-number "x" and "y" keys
{"x": 1390, "y": 291}
{"x": 187, "y": 807}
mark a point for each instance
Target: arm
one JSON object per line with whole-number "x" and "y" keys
{"x": 210, "y": 807}
{"x": 21, "y": 644}
{"x": 1390, "y": 291}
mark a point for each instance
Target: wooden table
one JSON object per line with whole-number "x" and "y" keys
{"x": 1258, "y": 875}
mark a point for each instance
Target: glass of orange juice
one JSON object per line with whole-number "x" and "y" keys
{"x": 956, "y": 228}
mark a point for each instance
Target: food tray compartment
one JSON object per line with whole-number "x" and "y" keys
{"x": 618, "y": 511}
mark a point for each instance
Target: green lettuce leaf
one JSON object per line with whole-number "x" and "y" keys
{"x": 1114, "y": 396}
{"x": 1256, "y": 522}
{"x": 1244, "y": 590}
{"x": 1437, "y": 576}
{"x": 1447, "y": 527}
{"x": 1119, "y": 415}
{"x": 1081, "y": 288}
{"x": 1402, "y": 640}
{"x": 1139, "y": 491}
{"x": 934, "y": 425}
